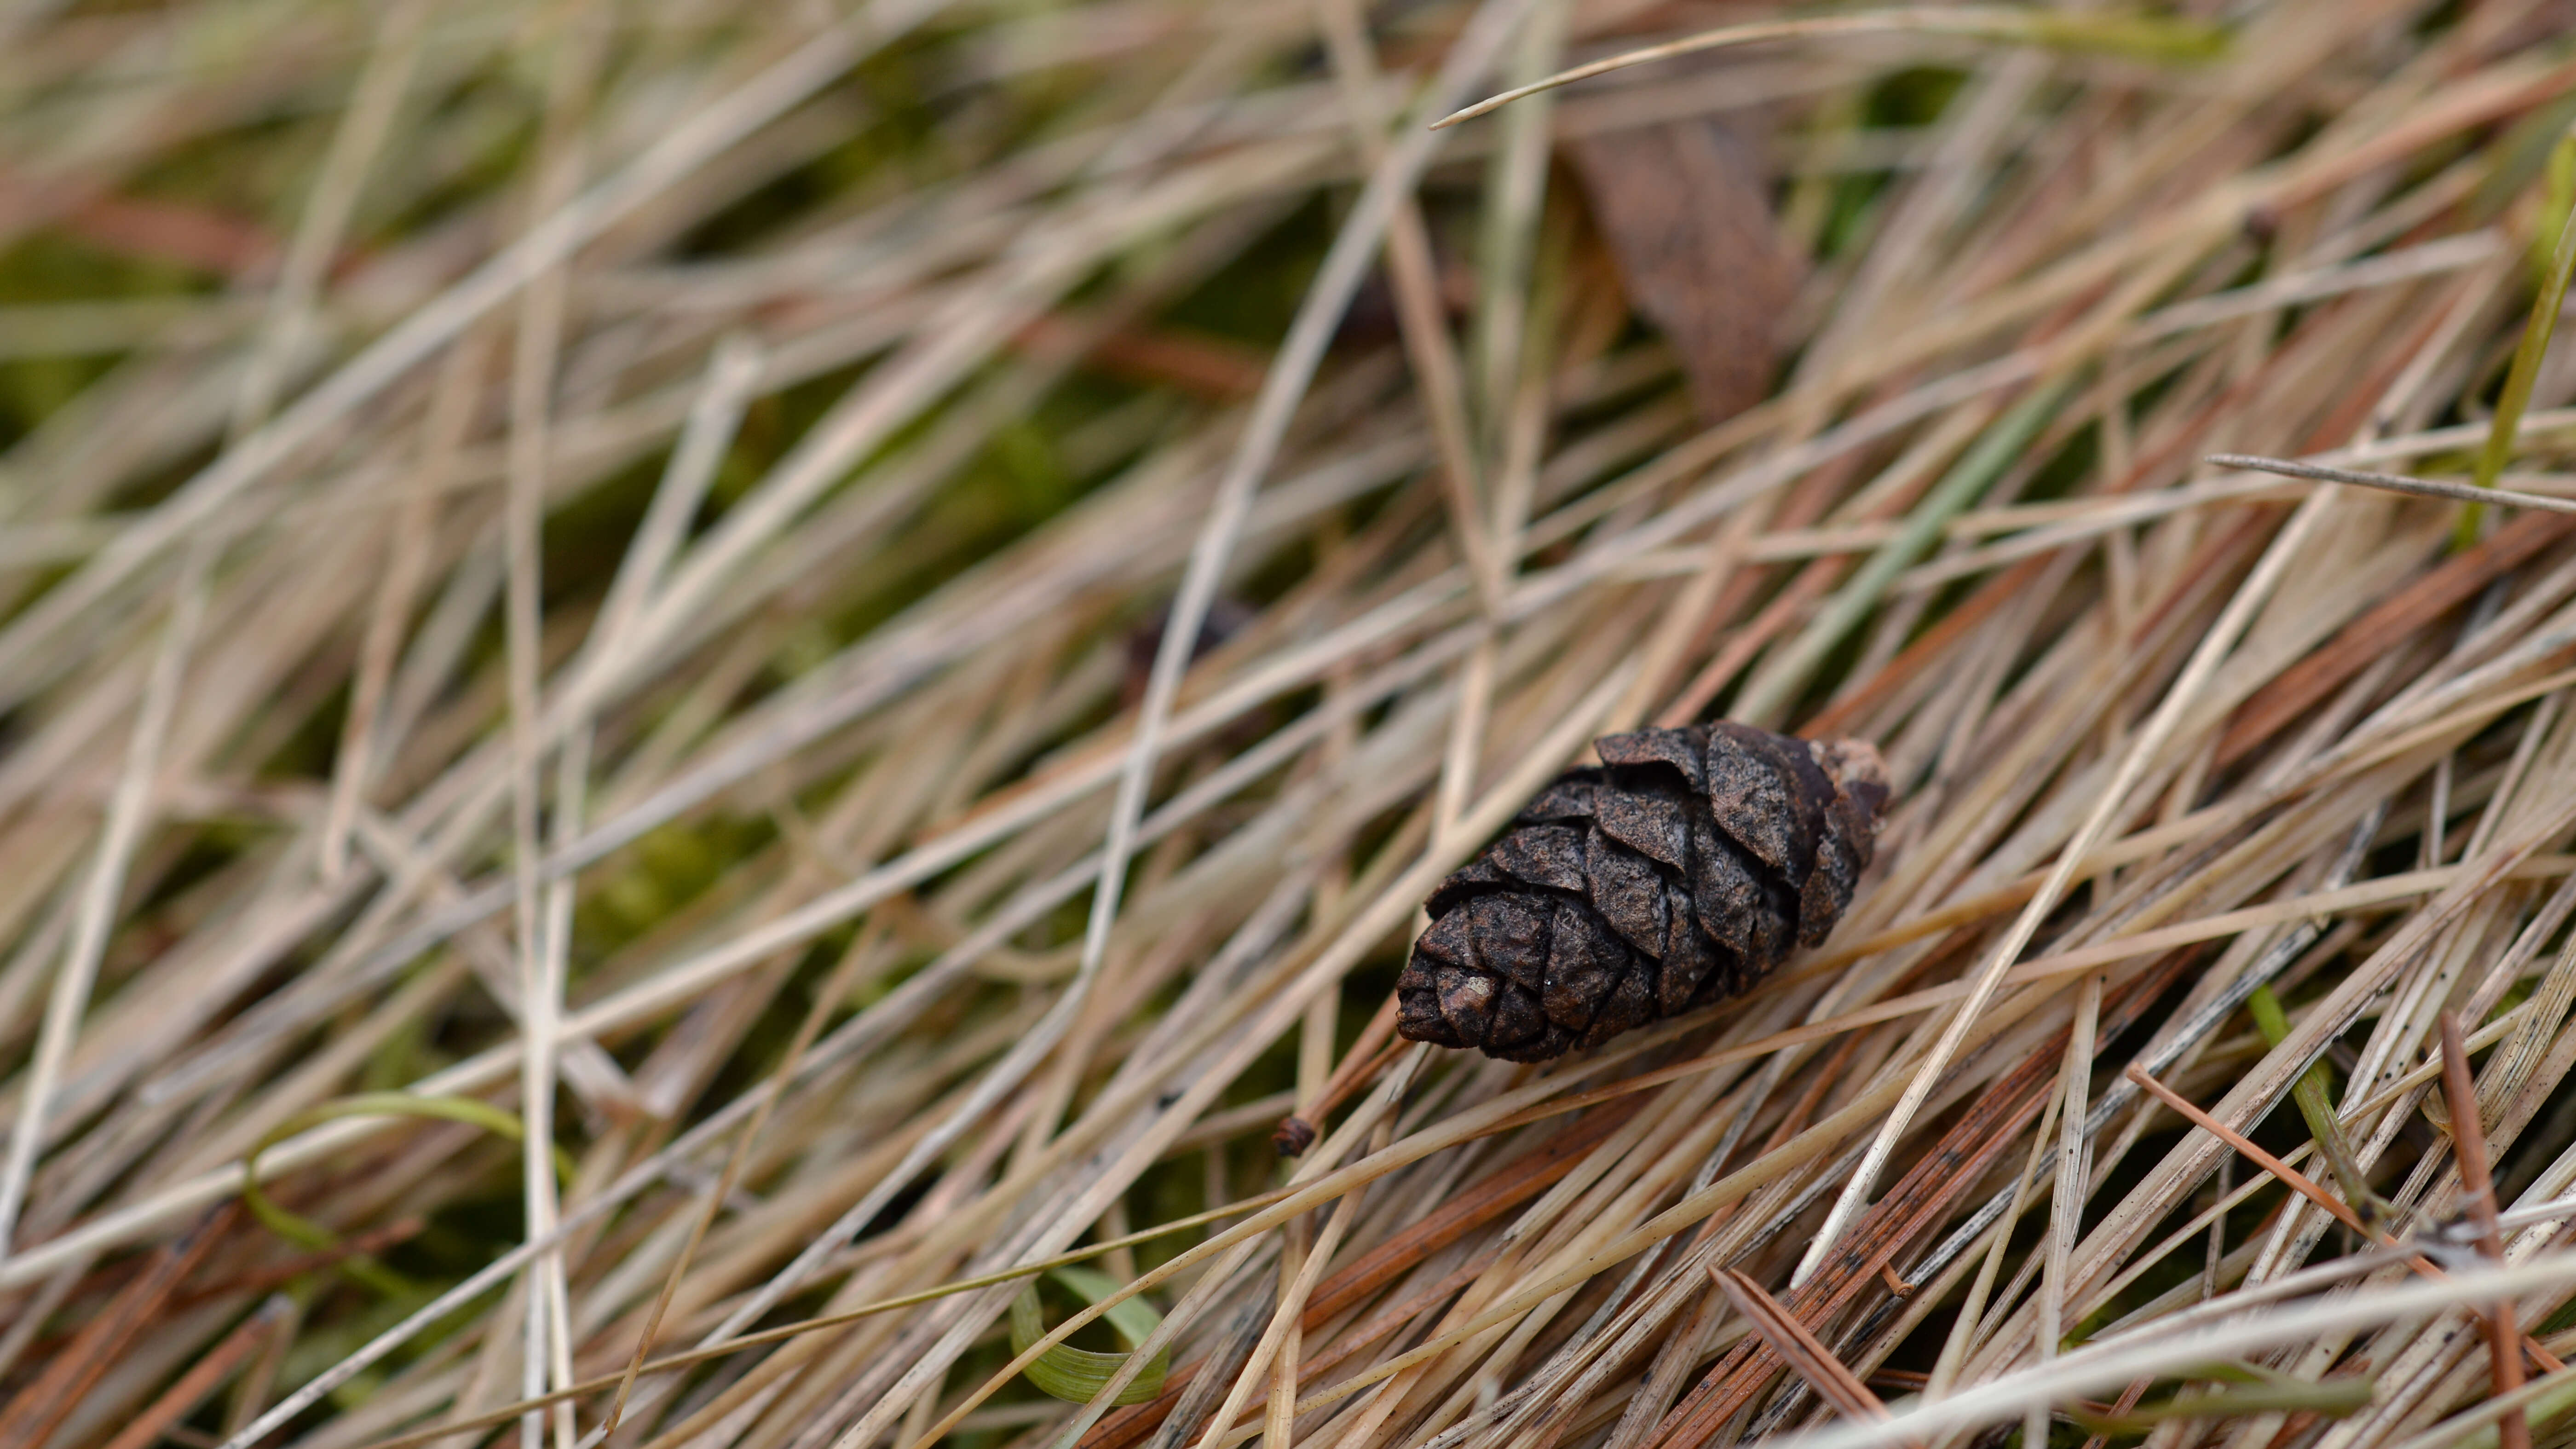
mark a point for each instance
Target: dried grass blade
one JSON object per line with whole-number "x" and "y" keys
{"x": 2128, "y": 34}
{"x": 2300, "y": 688}
{"x": 2151, "y": 739}
{"x": 2527, "y": 355}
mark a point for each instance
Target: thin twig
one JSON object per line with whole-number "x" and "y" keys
{"x": 2390, "y": 482}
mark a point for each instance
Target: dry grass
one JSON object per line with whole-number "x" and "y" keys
{"x": 595, "y": 634}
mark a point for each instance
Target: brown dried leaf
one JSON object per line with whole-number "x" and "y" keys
{"x": 1686, "y": 208}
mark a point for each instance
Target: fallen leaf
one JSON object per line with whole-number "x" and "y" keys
{"x": 1686, "y": 209}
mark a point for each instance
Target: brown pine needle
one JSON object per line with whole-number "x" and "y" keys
{"x": 2299, "y": 1183}
{"x": 204, "y": 1376}
{"x": 40, "y": 1406}
{"x": 2478, "y": 1202}
{"x": 1800, "y": 1349}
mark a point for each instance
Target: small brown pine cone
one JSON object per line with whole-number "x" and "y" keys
{"x": 1681, "y": 872}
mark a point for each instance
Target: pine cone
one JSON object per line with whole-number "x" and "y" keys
{"x": 1680, "y": 873}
